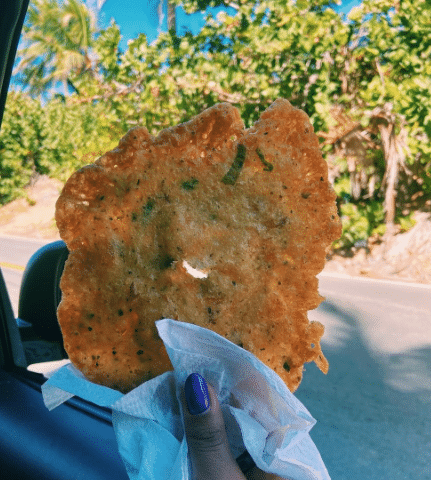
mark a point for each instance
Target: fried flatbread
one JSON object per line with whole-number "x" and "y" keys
{"x": 208, "y": 223}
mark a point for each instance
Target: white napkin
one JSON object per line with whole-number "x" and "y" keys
{"x": 260, "y": 413}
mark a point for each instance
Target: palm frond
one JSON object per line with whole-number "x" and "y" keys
{"x": 57, "y": 40}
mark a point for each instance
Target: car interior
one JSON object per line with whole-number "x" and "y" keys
{"x": 77, "y": 439}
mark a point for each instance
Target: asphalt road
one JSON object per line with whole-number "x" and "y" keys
{"x": 390, "y": 314}
{"x": 15, "y": 252}
{"x": 373, "y": 407}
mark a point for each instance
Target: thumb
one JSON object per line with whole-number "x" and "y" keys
{"x": 208, "y": 446}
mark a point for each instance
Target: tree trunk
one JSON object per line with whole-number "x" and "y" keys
{"x": 172, "y": 21}
{"x": 391, "y": 174}
{"x": 65, "y": 87}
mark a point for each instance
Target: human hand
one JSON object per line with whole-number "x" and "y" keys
{"x": 208, "y": 446}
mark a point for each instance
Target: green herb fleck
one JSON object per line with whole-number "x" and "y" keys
{"x": 286, "y": 366}
{"x": 232, "y": 175}
{"x": 268, "y": 166}
{"x": 147, "y": 208}
{"x": 163, "y": 261}
{"x": 190, "y": 184}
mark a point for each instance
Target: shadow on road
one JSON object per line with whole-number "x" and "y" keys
{"x": 372, "y": 410}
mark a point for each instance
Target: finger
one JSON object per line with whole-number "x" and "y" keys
{"x": 208, "y": 446}
{"x": 205, "y": 431}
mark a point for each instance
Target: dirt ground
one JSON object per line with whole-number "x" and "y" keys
{"x": 405, "y": 256}
{"x": 33, "y": 216}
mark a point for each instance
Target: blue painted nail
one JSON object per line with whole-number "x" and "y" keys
{"x": 197, "y": 396}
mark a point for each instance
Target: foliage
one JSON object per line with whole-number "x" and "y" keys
{"x": 57, "y": 38}
{"x": 406, "y": 223}
{"x": 364, "y": 219}
{"x": 17, "y": 139}
{"x": 247, "y": 59}
{"x": 395, "y": 44}
{"x": 360, "y": 221}
{"x": 55, "y": 139}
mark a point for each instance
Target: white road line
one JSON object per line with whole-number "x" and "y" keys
{"x": 365, "y": 301}
{"x": 376, "y": 280}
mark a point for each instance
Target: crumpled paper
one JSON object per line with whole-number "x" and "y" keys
{"x": 260, "y": 413}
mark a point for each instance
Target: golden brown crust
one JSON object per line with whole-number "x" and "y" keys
{"x": 252, "y": 209}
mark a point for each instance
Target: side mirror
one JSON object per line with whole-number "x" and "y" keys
{"x": 40, "y": 291}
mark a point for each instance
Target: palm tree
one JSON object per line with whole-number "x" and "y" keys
{"x": 171, "y": 17}
{"x": 171, "y": 14}
{"x": 57, "y": 41}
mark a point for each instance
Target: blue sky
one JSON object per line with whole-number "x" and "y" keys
{"x": 140, "y": 16}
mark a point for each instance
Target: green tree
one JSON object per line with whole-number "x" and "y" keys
{"x": 54, "y": 139}
{"x": 392, "y": 40}
{"x": 57, "y": 41}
